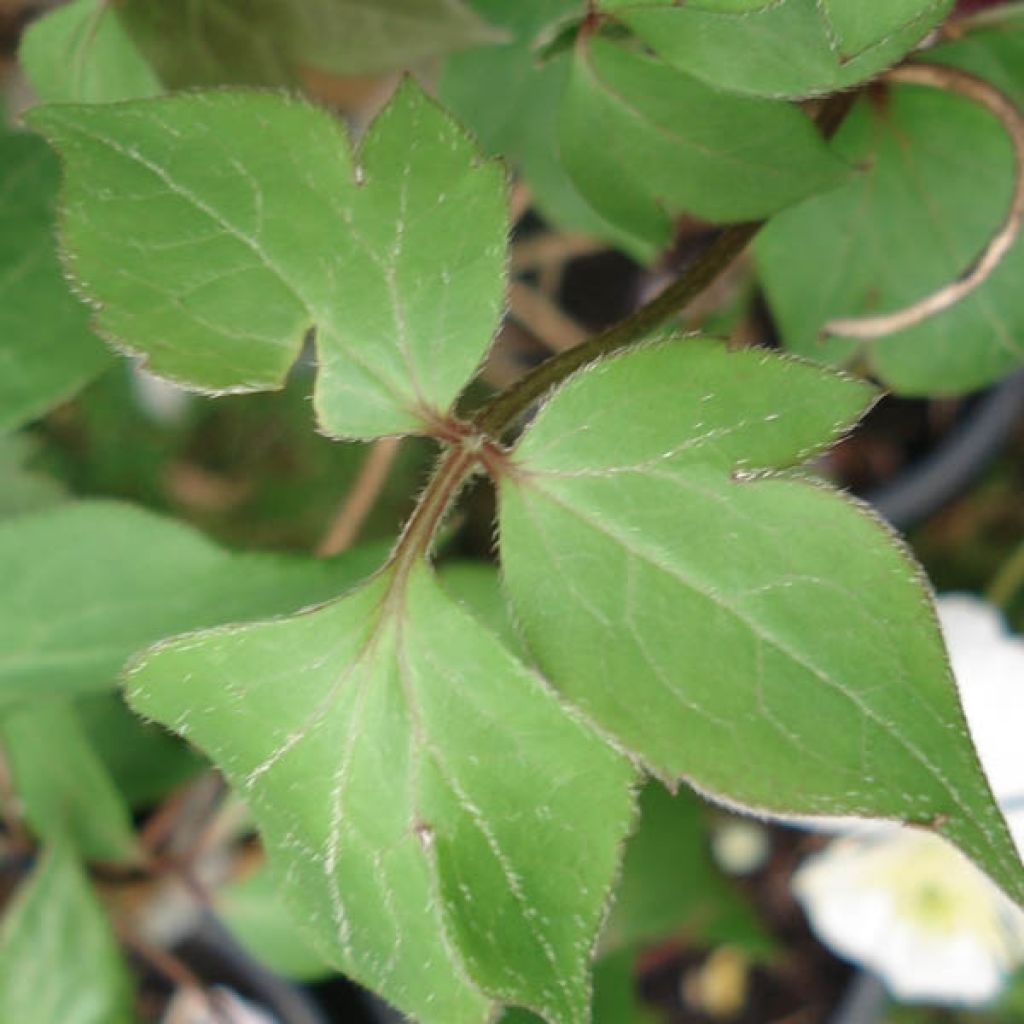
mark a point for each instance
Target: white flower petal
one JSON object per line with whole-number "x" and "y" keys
{"x": 910, "y": 907}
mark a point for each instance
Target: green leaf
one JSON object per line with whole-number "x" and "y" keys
{"x": 61, "y": 784}
{"x": 792, "y": 48}
{"x": 24, "y": 489}
{"x": 997, "y": 55}
{"x": 145, "y": 761}
{"x": 266, "y": 42}
{"x": 477, "y": 587}
{"x": 59, "y": 961}
{"x": 447, "y": 831}
{"x": 89, "y": 584}
{"x": 489, "y": 86}
{"x": 938, "y": 174}
{"x": 616, "y": 1000}
{"x": 644, "y": 143}
{"x": 856, "y": 25}
{"x": 259, "y": 919}
{"x": 80, "y": 53}
{"x": 749, "y": 631}
{"x": 216, "y": 229}
{"x": 671, "y": 886}
{"x": 46, "y": 349}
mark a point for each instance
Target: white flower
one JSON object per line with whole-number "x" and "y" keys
{"x": 906, "y": 904}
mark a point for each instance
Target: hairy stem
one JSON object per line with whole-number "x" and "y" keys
{"x": 479, "y": 444}
{"x": 504, "y": 409}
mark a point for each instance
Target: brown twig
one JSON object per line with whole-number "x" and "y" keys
{"x": 361, "y": 498}
{"x": 997, "y": 103}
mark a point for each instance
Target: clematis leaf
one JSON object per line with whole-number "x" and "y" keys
{"x": 445, "y": 829}
{"x": 745, "y": 629}
{"x": 216, "y": 229}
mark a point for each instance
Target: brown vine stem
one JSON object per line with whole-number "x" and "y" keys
{"x": 950, "y": 79}
{"x": 476, "y": 443}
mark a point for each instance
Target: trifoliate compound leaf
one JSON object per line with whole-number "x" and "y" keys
{"x": 80, "y": 53}
{"x": 790, "y": 48}
{"x": 445, "y": 829}
{"x": 46, "y": 349}
{"x": 644, "y": 143}
{"x": 266, "y": 42}
{"x": 214, "y": 230}
{"x": 59, "y": 961}
{"x": 936, "y": 180}
{"x": 749, "y": 631}
{"x": 61, "y": 785}
{"x": 87, "y": 585}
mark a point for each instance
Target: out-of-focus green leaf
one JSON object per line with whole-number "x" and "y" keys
{"x": 260, "y": 920}
{"x": 996, "y": 55}
{"x": 936, "y": 180}
{"x": 490, "y": 86}
{"x": 145, "y": 761}
{"x": 61, "y": 785}
{"x": 791, "y": 48}
{"x": 86, "y": 585}
{"x": 22, "y": 489}
{"x": 645, "y": 143}
{"x": 80, "y": 53}
{"x": 59, "y": 961}
{"x": 671, "y": 886}
{"x": 46, "y": 349}
{"x": 477, "y": 587}
{"x": 266, "y": 42}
